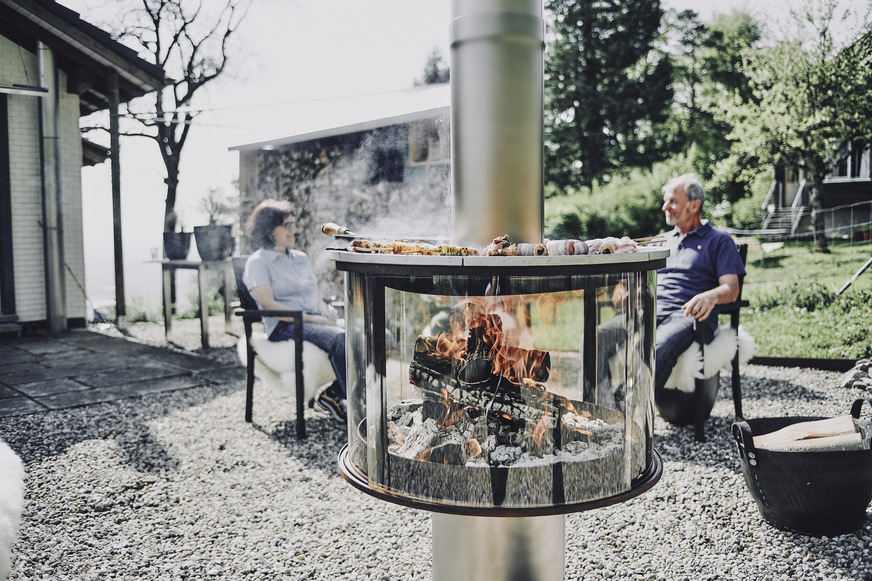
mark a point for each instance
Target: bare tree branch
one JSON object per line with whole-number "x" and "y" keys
{"x": 190, "y": 41}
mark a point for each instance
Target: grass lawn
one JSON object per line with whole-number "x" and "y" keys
{"x": 793, "y": 311}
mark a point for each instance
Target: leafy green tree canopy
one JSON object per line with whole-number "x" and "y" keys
{"x": 810, "y": 97}
{"x": 607, "y": 91}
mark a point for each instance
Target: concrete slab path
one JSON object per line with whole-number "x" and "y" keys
{"x": 82, "y": 367}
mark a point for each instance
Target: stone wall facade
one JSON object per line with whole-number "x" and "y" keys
{"x": 366, "y": 181}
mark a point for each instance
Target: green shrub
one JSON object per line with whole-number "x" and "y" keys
{"x": 797, "y": 295}
{"x": 141, "y": 310}
{"x": 214, "y": 303}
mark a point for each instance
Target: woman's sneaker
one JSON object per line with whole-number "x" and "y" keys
{"x": 331, "y": 400}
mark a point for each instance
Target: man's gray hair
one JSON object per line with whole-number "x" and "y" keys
{"x": 691, "y": 185}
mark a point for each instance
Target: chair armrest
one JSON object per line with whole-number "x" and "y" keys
{"x": 733, "y": 306}
{"x": 252, "y": 313}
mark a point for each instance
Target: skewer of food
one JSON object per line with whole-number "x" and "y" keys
{"x": 500, "y": 246}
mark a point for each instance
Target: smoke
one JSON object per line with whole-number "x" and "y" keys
{"x": 404, "y": 179}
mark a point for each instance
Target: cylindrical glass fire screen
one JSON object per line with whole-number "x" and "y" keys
{"x": 489, "y": 387}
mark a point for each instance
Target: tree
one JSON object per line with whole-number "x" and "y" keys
{"x": 607, "y": 91}
{"x": 436, "y": 72}
{"x": 189, "y": 39}
{"x": 810, "y": 97}
{"x": 708, "y": 71}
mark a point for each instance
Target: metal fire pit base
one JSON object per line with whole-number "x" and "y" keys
{"x": 497, "y": 543}
{"x": 639, "y": 485}
{"x": 498, "y": 549}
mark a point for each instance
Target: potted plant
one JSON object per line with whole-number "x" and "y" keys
{"x": 215, "y": 240}
{"x": 177, "y": 243}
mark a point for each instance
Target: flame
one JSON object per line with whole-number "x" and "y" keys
{"x": 495, "y": 332}
{"x": 453, "y": 413}
{"x": 540, "y": 428}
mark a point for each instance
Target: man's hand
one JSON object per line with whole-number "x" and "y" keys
{"x": 699, "y": 307}
{"x": 702, "y": 305}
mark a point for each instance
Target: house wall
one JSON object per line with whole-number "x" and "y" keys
{"x": 18, "y": 66}
{"x": 71, "y": 193}
{"x": 330, "y": 180}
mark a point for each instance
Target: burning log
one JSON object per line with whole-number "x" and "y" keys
{"x": 485, "y": 376}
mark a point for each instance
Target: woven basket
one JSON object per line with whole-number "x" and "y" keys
{"x": 819, "y": 492}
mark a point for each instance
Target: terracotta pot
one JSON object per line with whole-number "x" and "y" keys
{"x": 214, "y": 242}
{"x": 177, "y": 245}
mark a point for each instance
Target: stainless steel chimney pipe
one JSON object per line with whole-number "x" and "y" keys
{"x": 497, "y": 100}
{"x": 497, "y": 105}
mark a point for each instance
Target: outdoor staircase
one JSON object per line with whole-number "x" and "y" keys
{"x": 790, "y": 220}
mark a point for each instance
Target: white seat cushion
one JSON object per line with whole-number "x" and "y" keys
{"x": 718, "y": 355}
{"x": 274, "y": 364}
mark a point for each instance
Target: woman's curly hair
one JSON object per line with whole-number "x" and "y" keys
{"x": 266, "y": 216}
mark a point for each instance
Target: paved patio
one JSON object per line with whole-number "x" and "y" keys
{"x": 82, "y": 367}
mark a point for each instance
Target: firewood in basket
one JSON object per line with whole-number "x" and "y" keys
{"x": 840, "y": 433}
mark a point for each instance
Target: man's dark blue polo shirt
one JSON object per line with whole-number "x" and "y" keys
{"x": 696, "y": 261}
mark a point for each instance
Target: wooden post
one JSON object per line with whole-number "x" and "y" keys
{"x": 115, "y": 160}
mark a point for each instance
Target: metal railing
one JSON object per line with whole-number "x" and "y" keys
{"x": 851, "y": 223}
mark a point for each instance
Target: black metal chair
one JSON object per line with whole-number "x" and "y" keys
{"x": 251, "y": 314}
{"x": 682, "y": 408}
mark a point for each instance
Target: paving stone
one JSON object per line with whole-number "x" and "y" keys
{"x": 160, "y": 385}
{"x": 88, "y": 362}
{"x": 82, "y": 367}
{"x": 17, "y": 406}
{"x": 224, "y": 374}
{"x": 140, "y": 372}
{"x": 10, "y": 354}
{"x": 91, "y": 396}
{"x": 79, "y": 398}
{"x": 32, "y": 374}
{"x": 43, "y": 388}
{"x": 184, "y": 361}
{"x": 104, "y": 344}
{"x": 9, "y": 369}
{"x": 46, "y": 347}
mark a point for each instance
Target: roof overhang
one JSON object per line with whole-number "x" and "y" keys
{"x": 345, "y": 129}
{"x": 92, "y": 153}
{"x": 86, "y": 53}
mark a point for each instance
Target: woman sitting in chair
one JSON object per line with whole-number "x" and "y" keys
{"x": 281, "y": 278}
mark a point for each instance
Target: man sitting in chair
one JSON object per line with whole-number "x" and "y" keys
{"x": 701, "y": 272}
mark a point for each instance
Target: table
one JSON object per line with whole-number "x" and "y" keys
{"x": 169, "y": 268}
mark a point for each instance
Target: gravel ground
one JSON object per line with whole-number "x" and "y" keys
{"x": 177, "y": 486}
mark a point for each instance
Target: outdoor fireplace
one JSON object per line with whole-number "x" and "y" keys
{"x": 499, "y": 392}
{"x": 475, "y": 387}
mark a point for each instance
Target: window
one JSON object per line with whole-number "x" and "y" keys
{"x": 852, "y": 163}
{"x": 428, "y": 142}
